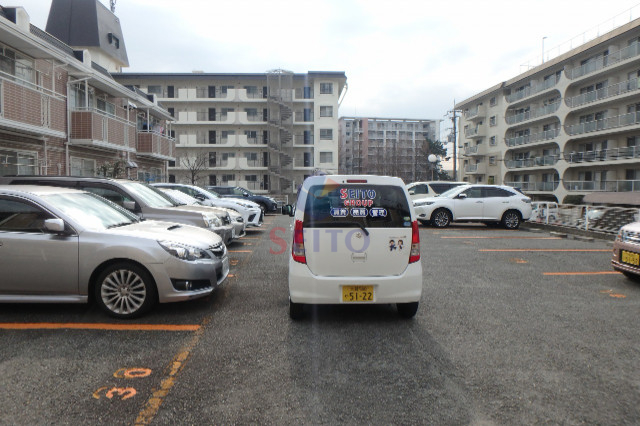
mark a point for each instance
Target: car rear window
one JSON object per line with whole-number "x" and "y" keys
{"x": 371, "y": 206}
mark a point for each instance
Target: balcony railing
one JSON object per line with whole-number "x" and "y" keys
{"x": 479, "y": 168}
{"x": 604, "y": 93}
{"x": 530, "y": 115}
{"x": 534, "y": 186}
{"x": 547, "y": 160}
{"x": 533, "y": 89}
{"x": 536, "y": 137}
{"x": 608, "y": 185}
{"x": 90, "y": 126}
{"x": 156, "y": 145}
{"x": 470, "y": 150}
{"x": 623, "y": 153}
{"x": 605, "y": 61}
{"x": 604, "y": 124}
{"x": 474, "y": 132}
{"x": 476, "y": 112}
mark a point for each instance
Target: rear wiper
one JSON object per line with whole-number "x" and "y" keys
{"x": 339, "y": 224}
{"x": 361, "y": 226}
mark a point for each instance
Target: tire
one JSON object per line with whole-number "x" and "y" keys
{"x": 441, "y": 218}
{"x": 511, "y": 219}
{"x": 296, "y": 310}
{"x": 424, "y": 222}
{"x": 263, "y": 208}
{"x": 125, "y": 290}
{"x": 631, "y": 276}
{"x": 407, "y": 310}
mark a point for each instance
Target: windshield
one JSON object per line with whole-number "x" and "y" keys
{"x": 150, "y": 195}
{"x": 91, "y": 211}
{"x": 213, "y": 193}
{"x": 376, "y": 206}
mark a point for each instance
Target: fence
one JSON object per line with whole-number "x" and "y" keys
{"x": 589, "y": 218}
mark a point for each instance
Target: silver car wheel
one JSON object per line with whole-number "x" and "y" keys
{"x": 125, "y": 290}
{"x": 511, "y": 220}
{"x": 441, "y": 218}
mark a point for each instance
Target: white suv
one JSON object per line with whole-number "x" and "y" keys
{"x": 355, "y": 240}
{"x": 489, "y": 204}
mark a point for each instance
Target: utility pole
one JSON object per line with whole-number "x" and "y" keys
{"x": 454, "y": 118}
{"x": 113, "y": 6}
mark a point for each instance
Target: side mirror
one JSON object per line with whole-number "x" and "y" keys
{"x": 245, "y": 194}
{"x": 199, "y": 197}
{"x": 286, "y": 209}
{"x": 54, "y": 225}
{"x": 462, "y": 196}
{"x": 129, "y": 205}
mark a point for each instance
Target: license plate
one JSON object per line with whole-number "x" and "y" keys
{"x": 630, "y": 258}
{"x": 357, "y": 293}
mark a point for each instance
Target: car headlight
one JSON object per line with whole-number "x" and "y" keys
{"x": 183, "y": 251}
{"x": 422, "y": 203}
{"x": 212, "y": 221}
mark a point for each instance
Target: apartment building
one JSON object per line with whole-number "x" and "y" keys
{"x": 568, "y": 127}
{"x": 266, "y": 131}
{"x": 387, "y": 146}
{"x": 61, "y": 113}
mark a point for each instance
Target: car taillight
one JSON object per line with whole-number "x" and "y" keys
{"x": 414, "y": 255}
{"x": 297, "y": 248}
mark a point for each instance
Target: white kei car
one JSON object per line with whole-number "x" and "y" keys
{"x": 355, "y": 241}
{"x": 489, "y": 204}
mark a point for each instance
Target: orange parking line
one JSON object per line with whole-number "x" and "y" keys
{"x": 506, "y": 237}
{"x": 583, "y": 273}
{"x": 240, "y": 251}
{"x": 549, "y": 250}
{"x": 97, "y": 326}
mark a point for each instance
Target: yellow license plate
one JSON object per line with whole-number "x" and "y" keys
{"x": 630, "y": 258}
{"x": 357, "y": 293}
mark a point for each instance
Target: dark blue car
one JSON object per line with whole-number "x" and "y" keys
{"x": 267, "y": 204}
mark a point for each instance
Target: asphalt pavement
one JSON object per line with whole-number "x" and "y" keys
{"x": 514, "y": 327}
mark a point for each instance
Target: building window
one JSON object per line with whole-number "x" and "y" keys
{"x": 491, "y": 180}
{"x": 326, "y": 88}
{"x": 18, "y": 163}
{"x": 154, "y": 90}
{"x": 228, "y": 178}
{"x": 83, "y": 167}
{"x": 492, "y": 121}
{"x": 326, "y": 134}
{"x": 492, "y": 102}
{"x": 251, "y": 178}
{"x": 492, "y": 141}
{"x": 171, "y": 111}
{"x": 326, "y": 111}
{"x": 326, "y": 157}
{"x": 492, "y": 161}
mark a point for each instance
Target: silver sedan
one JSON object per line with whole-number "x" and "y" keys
{"x": 68, "y": 246}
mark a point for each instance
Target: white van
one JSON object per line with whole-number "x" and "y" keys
{"x": 355, "y": 240}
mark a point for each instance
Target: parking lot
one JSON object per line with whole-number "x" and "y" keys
{"x": 513, "y": 327}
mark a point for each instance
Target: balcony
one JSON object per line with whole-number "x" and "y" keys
{"x": 156, "y": 146}
{"x": 615, "y": 154}
{"x": 607, "y": 186}
{"x": 475, "y": 132}
{"x": 530, "y": 115}
{"x": 605, "y": 61}
{"x": 529, "y": 139}
{"x": 32, "y": 109}
{"x": 534, "y": 186}
{"x": 544, "y": 161}
{"x": 475, "y": 169}
{"x": 533, "y": 90}
{"x": 475, "y": 114}
{"x": 625, "y": 120}
{"x": 96, "y": 128}
{"x": 629, "y": 86}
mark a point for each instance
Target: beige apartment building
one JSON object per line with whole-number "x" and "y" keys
{"x": 387, "y": 146}
{"x": 61, "y": 113}
{"x": 570, "y": 126}
{"x": 265, "y": 131}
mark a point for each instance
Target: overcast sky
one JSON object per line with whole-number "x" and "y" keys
{"x": 402, "y": 58}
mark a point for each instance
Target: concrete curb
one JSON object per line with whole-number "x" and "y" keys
{"x": 566, "y": 232}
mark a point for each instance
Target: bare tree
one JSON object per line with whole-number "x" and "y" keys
{"x": 195, "y": 165}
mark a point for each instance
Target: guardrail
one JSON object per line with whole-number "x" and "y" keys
{"x": 588, "y": 218}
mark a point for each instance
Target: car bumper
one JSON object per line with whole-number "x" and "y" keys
{"x": 225, "y": 232}
{"x": 238, "y": 230}
{"x": 304, "y": 287}
{"x": 616, "y": 261}
{"x": 254, "y": 218}
{"x": 205, "y": 276}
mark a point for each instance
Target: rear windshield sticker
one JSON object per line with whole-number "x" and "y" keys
{"x": 359, "y": 212}
{"x": 357, "y": 197}
{"x": 378, "y": 212}
{"x": 339, "y": 212}
{"x": 396, "y": 244}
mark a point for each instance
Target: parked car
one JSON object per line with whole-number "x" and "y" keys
{"x": 267, "y": 204}
{"x": 145, "y": 201}
{"x": 355, "y": 240}
{"x": 68, "y": 246}
{"x": 249, "y": 210}
{"x": 489, "y": 204}
{"x": 234, "y": 218}
{"x": 431, "y": 188}
{"x": 626, "y": 251}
